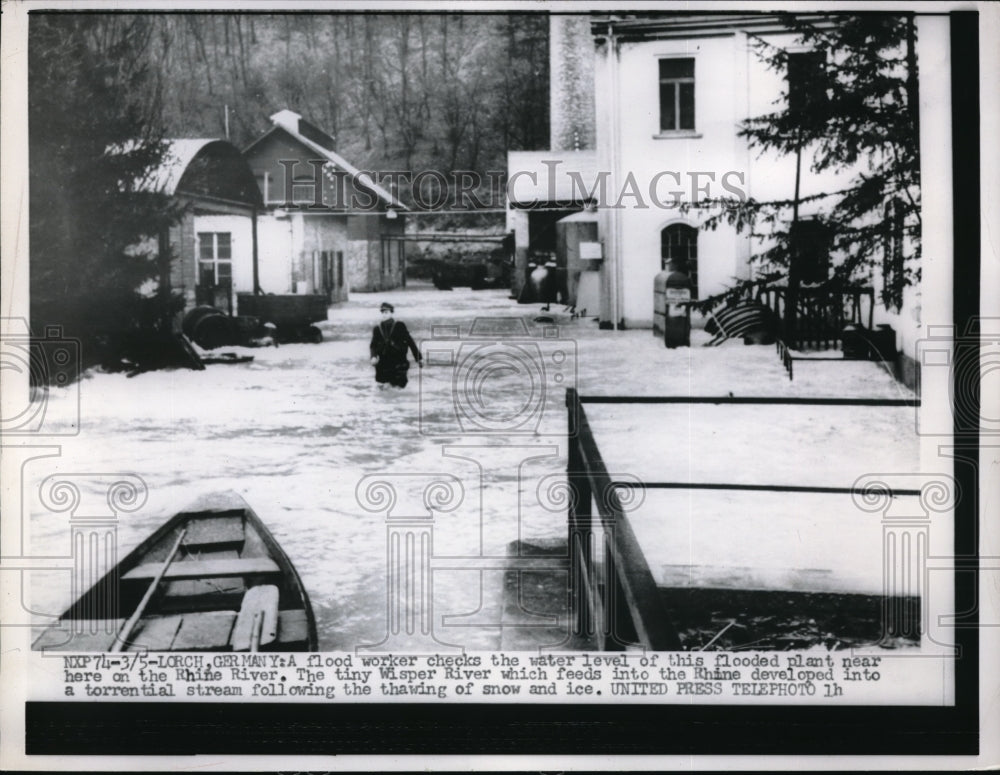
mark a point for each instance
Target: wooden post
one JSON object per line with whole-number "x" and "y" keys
{"x": 253, "y": 235}
{"x": 163, "y": 261}
{"x": 792, "y": 299}
{"x": 580, "y": 537}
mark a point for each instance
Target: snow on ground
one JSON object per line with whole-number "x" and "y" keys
{"x": 298, "y": 429}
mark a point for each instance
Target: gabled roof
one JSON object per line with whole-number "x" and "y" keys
{"x": 293, "y": 124}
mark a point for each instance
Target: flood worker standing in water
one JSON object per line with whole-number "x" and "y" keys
{"x": 390, "y": 340}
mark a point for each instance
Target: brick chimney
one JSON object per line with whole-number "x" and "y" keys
{"x": 571, "y": 84}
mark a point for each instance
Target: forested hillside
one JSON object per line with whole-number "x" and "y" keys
{"x": 396, "y": 91}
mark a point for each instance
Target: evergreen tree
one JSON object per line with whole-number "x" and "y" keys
{"x": 93, "y": 144}
{"x": 858, "y": 109}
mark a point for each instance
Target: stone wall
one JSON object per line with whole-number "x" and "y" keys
{"x": 184, "y": 264}
{"x": 358, "y": 266}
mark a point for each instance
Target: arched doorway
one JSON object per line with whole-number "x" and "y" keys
{"x": 679, "y": 243}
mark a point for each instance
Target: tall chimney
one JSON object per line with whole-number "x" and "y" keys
{"x": 286, "y": 119}
{"x": 571, "y": 83}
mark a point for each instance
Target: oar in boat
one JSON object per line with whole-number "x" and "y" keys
{"x": 123, "y": 635}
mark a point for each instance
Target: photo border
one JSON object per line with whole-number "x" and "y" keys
{"x": 175, "y": 729}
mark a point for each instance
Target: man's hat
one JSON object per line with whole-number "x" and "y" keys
{"x": 386, "y": 306}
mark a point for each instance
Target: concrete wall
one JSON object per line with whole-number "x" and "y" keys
{"x": 324, "y": 234}
{"x": 364, "y": 253}
{"x": 290, "y": 248}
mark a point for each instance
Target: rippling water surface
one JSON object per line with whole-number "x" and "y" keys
{"x": 297, "y": 430}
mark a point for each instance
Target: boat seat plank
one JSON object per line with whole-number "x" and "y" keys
{"x": 233, "y": 585}
{"x": 205, "y": 631}
{"x": 207, "y": 531}
{"x": 156, "y": 633}
{"x": 214, "y": 586}
{"x": 259, "y": 601}
{"x": 81, "y": 635}
{"x": 293, "y": 626}
{"x": 204, "y": 569}
{"x": 211, "y": 553}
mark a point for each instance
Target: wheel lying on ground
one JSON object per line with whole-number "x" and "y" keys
{"x": 213, "y": 331}
{"x": 194, "y": 316}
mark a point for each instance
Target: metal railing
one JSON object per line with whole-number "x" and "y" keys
{"x": 821, "y": 314}
{"x": 615, "y": 597}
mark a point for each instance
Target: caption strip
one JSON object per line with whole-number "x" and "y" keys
{"x": 532, "y": 677}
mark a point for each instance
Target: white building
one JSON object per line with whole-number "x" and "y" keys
{"x": 671, "y": 93}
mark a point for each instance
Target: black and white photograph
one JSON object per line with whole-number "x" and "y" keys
{"x": 498, "y": 380}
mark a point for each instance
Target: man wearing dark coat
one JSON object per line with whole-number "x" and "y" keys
{"x": 390, "y": 340}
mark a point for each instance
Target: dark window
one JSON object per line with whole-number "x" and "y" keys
{"x": 679, "y": 244}
{"x": 811, "y": 246}
{"x": 806, "y": 81}
{"x": 676, "y": 94}
{"x": 215, "y": 258}
{"x": 328, "y": 270}
{"x": 340, "y": 269}
{"x": 892, "y": 258}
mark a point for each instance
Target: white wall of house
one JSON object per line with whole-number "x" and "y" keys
{"x": 289, "y": 249}
{"x": 275, "y": 248}
{"x": 240, "y": 229}
{"x": 651, "y": 169}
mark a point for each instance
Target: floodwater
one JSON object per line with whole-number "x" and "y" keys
{"x": 472, "y": 451}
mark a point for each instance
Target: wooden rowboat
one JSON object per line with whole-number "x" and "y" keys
{"x": 211, "y": 579}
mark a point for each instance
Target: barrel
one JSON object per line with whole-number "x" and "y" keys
{"x": 208, "y": 327}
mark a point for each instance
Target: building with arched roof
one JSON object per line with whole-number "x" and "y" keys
{"x": 210, "y": 253}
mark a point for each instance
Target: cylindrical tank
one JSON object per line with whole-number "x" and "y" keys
{"x": 676, "y": 312}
